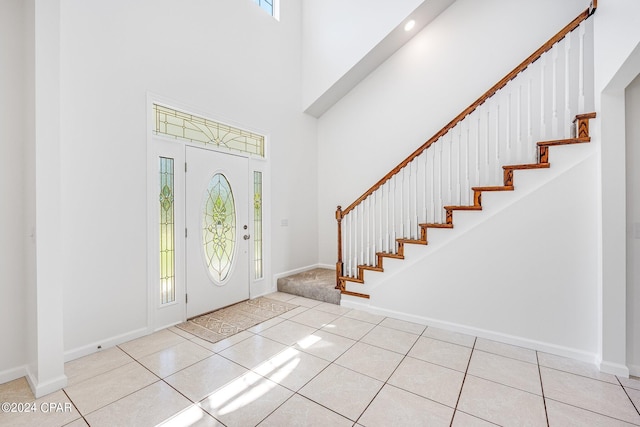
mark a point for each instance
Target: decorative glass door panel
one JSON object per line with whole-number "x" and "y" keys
{"x": 217, "y": 202}
{"x": 219, "y": 228}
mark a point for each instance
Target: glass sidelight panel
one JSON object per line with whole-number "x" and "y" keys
{"x": 219, "y": 227}
{"x": 167, "y": 232}
{"x": 257, "y": 224}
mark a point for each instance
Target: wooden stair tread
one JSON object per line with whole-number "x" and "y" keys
{"x": 371, "y": 268}
{"x": 463, "y": 208}
{"x": 494, "y": 188}
{"x": 390, "y": 255}
{"x": 527, "y": 166}
{"x": 412, "y": 241}
{"x": 568, "y": 141}
{"x": 352, "y": 279}
{"x": 434, "y": 225}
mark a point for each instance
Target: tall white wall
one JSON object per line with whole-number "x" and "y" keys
{"x": 225, "y": 57}
{"x": 12, "y": 152}
{"x": 617, "y": 60}
{"x": 338, "y": 34}
{"x": 632, "y": 111}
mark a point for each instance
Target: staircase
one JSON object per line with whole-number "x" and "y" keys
{"x": 543, "y": 99}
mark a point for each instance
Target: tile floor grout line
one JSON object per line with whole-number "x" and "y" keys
{"x": 455, "y": 409}
{"x": 627, "y": 393}
{"x": 544, "y": 401}
{"x": 508, "y": 357}
{"x": 600, "y": 414}
{"x": 74, "y": 405}
{"x": 120, "y": 398}
{"x": 192, "y": 402}
{"x": 385, "y": 382}
{"x": 579, "y": 375}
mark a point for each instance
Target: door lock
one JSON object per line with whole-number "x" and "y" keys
{"x": 246, "y": 237}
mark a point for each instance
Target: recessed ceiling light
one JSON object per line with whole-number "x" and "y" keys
{"x": 409, "y": 25}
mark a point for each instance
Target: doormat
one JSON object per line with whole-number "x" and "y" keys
{"x": 223, "y": 323}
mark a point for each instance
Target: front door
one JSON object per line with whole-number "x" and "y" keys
{"x": 217, "y": 203}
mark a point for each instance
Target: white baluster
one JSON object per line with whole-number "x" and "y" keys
{"x": 477, "y": 141}
{"x": 519, "y": 123}
{"x": 440, "y": 204}
{"x": 508, "y": 130}
{"x": 355, "y": 238}
{"x": 581, "y": 63}
{"x": 361, "y": 223}
{"x": 450, "y": 163}
{"x": 459, "y": 171}
{"x": 466, "y": 164}
{"x": 350, "y": 244}
{"x": 566, "y": 120}
{"x": 425, "y": 191}
{"x": 367, "y": 206}
{"x": 392, "y": 244}
{"x": 389, "y": 206}
{"x": 380, "y": 221}
{"x": 543, "y": 63}
{"x": 497, "y": 141}
{"x": 415, "y": 197}
{"x": 487, "y": 156}
{"x": 407, "y": 188}
{"x": 554, "y": 91}
{"x": 433, "y": 149}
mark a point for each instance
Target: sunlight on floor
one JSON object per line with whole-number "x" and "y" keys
{"x": 253, "y": 385}
{"x": 247, "y": 388}
{"x": 309, "y": 341}
{"x": 188, "y": 417}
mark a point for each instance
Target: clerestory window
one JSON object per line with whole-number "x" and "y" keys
{"x": 267, "y": 5}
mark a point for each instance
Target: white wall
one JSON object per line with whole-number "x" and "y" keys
{"x": 525, "y": 273}
{"x": 227, "y": 58}
{"x": 338, "y": 34}
{"x": 12, "y": 151}
{"x": 632, "y": 111}
{"x": 617, "y": 58}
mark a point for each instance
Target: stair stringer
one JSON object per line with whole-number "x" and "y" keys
{"x": 508, "y": 300}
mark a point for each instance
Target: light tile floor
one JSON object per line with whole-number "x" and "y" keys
{"x": 325, "y": 365}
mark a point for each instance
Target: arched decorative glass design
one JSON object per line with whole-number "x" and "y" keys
{"x": 219, "y": 227}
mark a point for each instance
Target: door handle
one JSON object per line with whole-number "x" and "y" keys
{"x": 246, "y": 237}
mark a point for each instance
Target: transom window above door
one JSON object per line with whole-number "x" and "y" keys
{"x": 189, "y": 127}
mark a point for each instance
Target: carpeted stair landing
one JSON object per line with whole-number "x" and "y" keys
{"x": 318, "y": 284}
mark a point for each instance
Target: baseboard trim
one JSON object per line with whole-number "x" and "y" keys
{"x": 40, "y": 389}
{"x": 634, "y": 370}
{"x": 13, "y": 374}
{"x": 299, "y": 270}
{"x": 106, "y": 343}
{"x": 350, "y": 302}
{"x": 614, "y": 369}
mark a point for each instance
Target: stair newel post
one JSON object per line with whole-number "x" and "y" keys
{"x": 339, "y": 264}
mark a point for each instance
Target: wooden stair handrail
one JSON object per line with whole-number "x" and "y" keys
{"x": 488, "y": 94}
